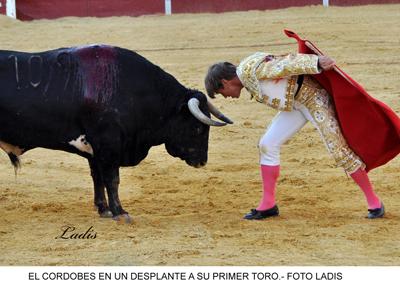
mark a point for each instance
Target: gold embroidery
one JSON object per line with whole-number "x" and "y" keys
{"x": 255, "y": 68}
{"x": 290, "y": 65}
{"x": 318, "y": 102}
{"x": 275, "y": 103}
{"x": 290, "y": 90}
{"x": 262, "y": 100}
{"x": 308, "y": 90}
{"x": 245, "y": 72}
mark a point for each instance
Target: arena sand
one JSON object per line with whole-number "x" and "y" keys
{"x": 187, "y": 216}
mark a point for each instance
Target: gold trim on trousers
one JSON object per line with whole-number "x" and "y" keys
{"x": 314, "y": 104}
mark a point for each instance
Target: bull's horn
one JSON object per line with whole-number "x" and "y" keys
{"x": 213, "y": 110}
{"x": 193, "y": 105}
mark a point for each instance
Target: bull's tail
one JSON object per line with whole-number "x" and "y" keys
{"x": 15, "y": 161}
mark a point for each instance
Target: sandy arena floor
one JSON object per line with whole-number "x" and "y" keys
{"x": 186, "y": 216}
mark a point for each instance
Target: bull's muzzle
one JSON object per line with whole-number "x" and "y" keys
{"x": 196, "y": 164}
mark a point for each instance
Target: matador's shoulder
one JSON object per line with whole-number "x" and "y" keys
{"x": 246, "y": 71}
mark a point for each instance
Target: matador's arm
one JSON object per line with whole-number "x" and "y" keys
{"x": 288, "y": 65}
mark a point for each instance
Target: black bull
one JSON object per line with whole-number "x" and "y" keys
{"x": 107, "y": 104}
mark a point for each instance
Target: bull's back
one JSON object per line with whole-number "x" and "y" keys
{"x": 46, "y": 93}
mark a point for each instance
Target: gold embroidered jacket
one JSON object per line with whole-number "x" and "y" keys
{"x": 272, "y": 79}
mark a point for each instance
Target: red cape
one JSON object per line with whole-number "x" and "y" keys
{"x": 371, "y": 128}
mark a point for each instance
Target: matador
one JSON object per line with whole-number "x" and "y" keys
{"x": 291, "y": 84}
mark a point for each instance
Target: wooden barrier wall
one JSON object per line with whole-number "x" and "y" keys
{"x": 3, "y": 7}
{"x": 50, "y": 9}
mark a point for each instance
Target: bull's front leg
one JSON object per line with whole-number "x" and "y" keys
{"x": 103, "y": 132}
{"x": 111, "y": 182}
{"x": 100, "y": 200}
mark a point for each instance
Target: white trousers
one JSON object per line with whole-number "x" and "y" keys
{"x": 313, "y": 104}
{"x": 281, "y": 129}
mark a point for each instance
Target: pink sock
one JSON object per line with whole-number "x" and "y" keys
{"x": 269, "y": 176}
{"x": 361, "y": 178}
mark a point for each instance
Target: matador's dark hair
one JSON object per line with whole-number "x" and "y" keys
{"x": 215, "y": 74}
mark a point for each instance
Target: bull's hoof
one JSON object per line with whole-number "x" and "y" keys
{"x": 103, "y": 210}
{"x": 106, "y": 214}
{"x": 123, "y": 218}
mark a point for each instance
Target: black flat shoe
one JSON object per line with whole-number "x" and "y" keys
{"x": 377, "y": 212}
{"x": 255, "y": 214}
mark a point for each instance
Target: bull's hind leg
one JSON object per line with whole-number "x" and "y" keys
{"x": 100, "y": 201}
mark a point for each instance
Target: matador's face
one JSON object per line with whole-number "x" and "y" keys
{"x": 230, "y": 88}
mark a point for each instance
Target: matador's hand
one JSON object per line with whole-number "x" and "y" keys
{"x": 326, "y": 63}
